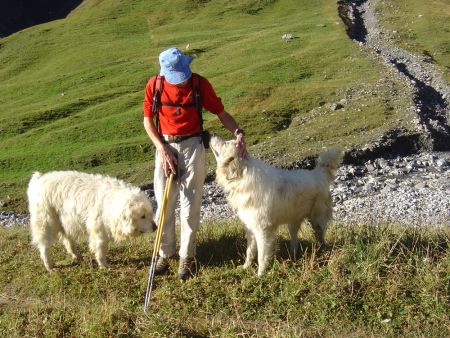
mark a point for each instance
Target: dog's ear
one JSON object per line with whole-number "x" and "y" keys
{"x": 233, "y": 168}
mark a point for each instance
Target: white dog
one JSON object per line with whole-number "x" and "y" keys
{"x": 266, "y": 197}
{"x": 66, "y": 203}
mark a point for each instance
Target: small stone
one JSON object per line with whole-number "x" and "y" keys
{"x": 336, "y": 106}
{"x": 287, "y": 37}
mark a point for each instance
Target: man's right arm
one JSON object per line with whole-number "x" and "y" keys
{"x": 168, "y": 158}
{"x": 152, "y": 133}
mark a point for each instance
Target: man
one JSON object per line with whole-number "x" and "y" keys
{"x": 180, "y": 150}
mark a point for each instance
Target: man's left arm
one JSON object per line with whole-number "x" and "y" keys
{"x": 230, "y": 123}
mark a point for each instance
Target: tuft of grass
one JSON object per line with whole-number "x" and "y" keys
{"x": 367, "y": 281}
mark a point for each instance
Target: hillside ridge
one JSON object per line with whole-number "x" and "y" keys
{"x": 16, "y": 15}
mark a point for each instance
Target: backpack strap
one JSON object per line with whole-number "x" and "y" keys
{"x": 158, "y": 86}
{"x": 197, "y": 98}
{"x": 159, "y": 83}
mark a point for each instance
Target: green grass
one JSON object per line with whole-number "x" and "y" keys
{"x": 367, "y": 281}
{"x": 421, "y": 27}
{"x": 72, "y": 89}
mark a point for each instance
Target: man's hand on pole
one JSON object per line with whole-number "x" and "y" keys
{"x": 169, "y": 160}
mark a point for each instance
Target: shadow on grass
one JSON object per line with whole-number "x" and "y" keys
{"x": 231, "y": 249}
{"x": 138, "y": 262}
{"x": 222, "y": 250}
{"x": 68, "y": 263}
{"x": 421, "y": 241}
{"x": 305, "y": 247}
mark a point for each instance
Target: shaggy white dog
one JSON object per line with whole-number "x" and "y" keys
{"x": 265, "y": 197}
{"x": 65, "y": 204}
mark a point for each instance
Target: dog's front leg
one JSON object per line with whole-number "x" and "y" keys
{"x": 71, "y": 248}
{"x": 45, "y": 256}
{"x": 293, "y": 230}
{"x": 319, "y": 231}
{"x": 265, "y": 240}
{"x": 251, "y": 249}
{"x": 97, "y": 246}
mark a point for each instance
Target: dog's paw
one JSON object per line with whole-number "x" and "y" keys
{"x": 103, "y": 265}
{"x": 260, "y": 273}
{"x": 101, "y": 262}
{"x": 75, "y": 259}
{"x": 244, "y": 266}
{"x": 50, "y": 267}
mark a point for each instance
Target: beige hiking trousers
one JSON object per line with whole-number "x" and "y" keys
{"x": 188, "y": 188}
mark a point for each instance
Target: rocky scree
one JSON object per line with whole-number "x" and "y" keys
{"x": 412, "y": 190}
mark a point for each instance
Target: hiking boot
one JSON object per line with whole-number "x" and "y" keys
{"x": 187, "y": 269}
{"x": 162, "y": 265}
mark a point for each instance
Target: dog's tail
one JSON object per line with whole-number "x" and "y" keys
{"x": 33, "y": 180}
{"x": 330, "y": 160}
{"x": 35, "y": 176}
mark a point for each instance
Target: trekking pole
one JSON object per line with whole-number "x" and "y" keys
{"x": 159, "y": 231}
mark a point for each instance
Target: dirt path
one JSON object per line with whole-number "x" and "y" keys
{"x": 431, "y": 94}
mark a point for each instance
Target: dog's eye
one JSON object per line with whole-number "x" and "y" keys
{"x": 228, "y": 161}
{"x": 143, "y": 216}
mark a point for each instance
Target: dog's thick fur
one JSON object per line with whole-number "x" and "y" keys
{"x": 265, "y": 197}
{"x": 65, "y": 204}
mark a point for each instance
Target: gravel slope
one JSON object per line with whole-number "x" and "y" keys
{"x": 413, "y": 190}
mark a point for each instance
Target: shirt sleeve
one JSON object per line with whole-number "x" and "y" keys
{"x": 148, "y": 98}
{"x": 210, "y": 101}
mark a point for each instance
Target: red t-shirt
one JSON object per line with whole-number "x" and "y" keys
{"x": 181, "y": 120}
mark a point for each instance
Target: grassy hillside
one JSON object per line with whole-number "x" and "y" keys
{"x": 420, "y": 27}
{"x": 367, "y": 282}
{"x": 71, "y": 90}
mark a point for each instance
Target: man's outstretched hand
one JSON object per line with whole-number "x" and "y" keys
{"x": 240, "y": 143}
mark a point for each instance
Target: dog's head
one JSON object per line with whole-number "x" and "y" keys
{"x": 137, "y": 215}
{"x": 230, "y": 165}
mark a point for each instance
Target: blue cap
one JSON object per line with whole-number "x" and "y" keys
{"x": 175, "y": 65}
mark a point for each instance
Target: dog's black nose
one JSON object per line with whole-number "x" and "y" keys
{"x": 154, "y": 227}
